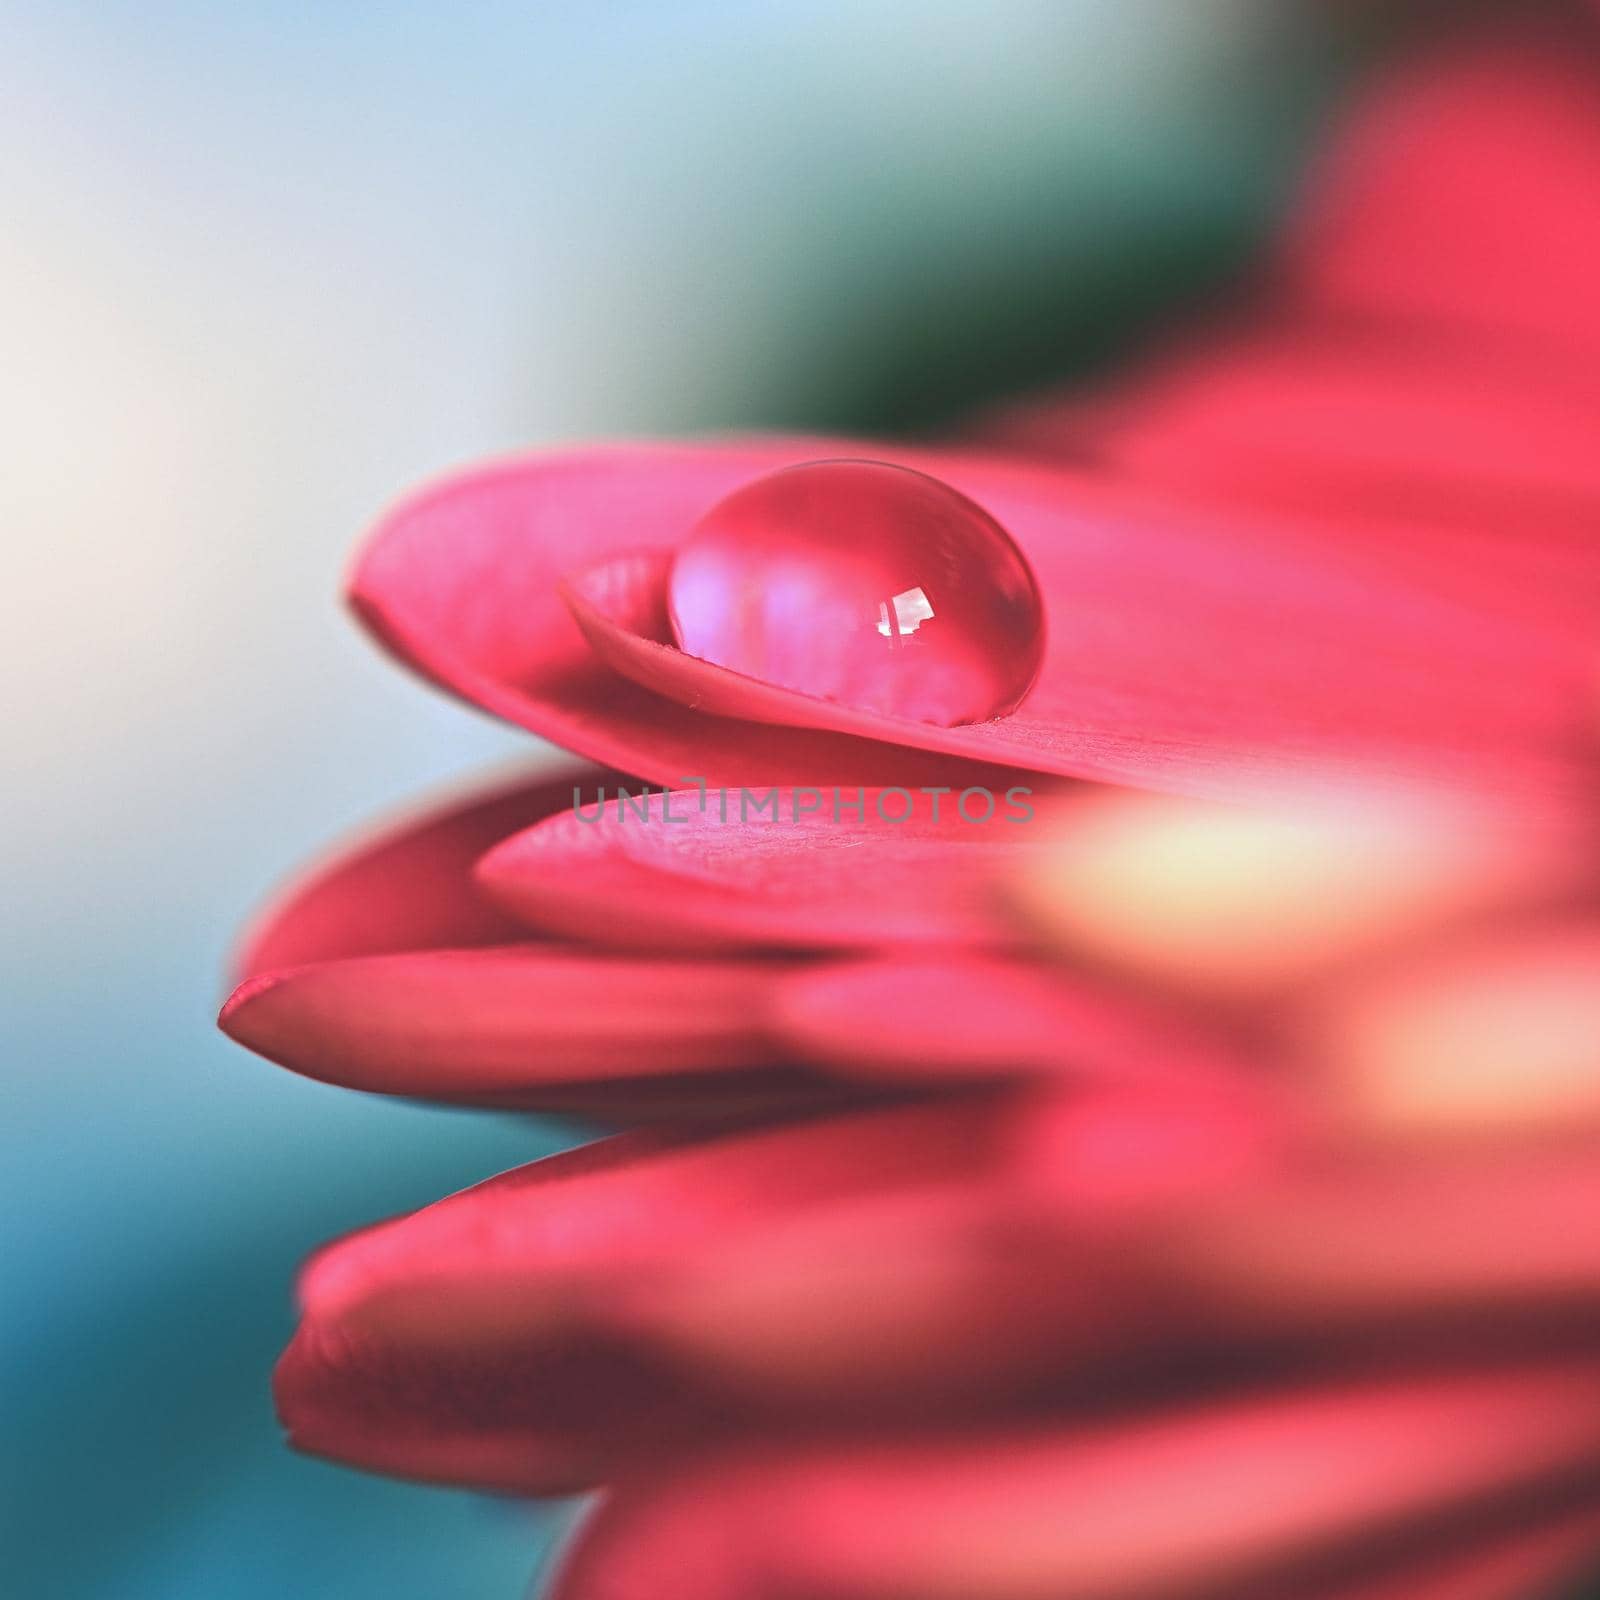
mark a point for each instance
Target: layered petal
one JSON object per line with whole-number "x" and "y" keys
{"x": 961, "y": 1258}
{"x": 1183, "y": 653}
{"x": 1422, "y": 454}
{"x": 1270, "y": 1494}
{"x": 463, "y": 582}
{"x": 392, "y": 971}
{"x": 500, "y": 1337}
{"x": 408, "y": 886}
{"x": 1420, "y": 370}
{"x": 350, "y": 1388}
{"x": 1138, "y": 1235}
{"x": 809, "y": 868}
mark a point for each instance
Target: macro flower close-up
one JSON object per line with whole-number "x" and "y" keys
{"x": 1039, "y": 971}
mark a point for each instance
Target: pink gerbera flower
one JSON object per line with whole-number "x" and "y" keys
{"x": 1100, "y": 1004}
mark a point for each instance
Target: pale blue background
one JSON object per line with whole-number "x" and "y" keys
{"x": 262, "y": 266}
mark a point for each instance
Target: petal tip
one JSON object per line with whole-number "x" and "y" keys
{"x": 233, "y": 1020}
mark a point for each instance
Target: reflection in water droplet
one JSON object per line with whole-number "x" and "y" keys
{"x": 865, "y": 583}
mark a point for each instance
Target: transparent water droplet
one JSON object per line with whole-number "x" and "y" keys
{"x": 865, "y": 583}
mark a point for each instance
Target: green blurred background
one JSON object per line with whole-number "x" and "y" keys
{"x": 263, "y": 267}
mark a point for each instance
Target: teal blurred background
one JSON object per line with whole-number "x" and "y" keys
{"x": 262, "y": 267}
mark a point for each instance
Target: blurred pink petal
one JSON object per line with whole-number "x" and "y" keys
{"x": 1493, "y": 1036}
{"x": 1460, "y": 190}
{"x": 1543, "y": 1559}
{"x": 1432, "y": 456}
{"x": 863, "y": 1267}
{"x": 491, "y": 1338}
{"x": 1420, "y": 371}
{"x": 1236, "y": 903}
{"x": 1253, "y": 1497}
{"x": 954, "y": 1016}
{"x": 1471, "y": 1245}
{"x": 489, "y": 1419}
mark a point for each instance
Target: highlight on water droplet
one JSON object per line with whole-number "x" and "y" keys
{"x": 866, "y": 583}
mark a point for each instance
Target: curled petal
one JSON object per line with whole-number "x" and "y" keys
{"x": 463, "y": 581}
{"x": 350, "y": 1387}
{"x": 620, "y": 606}
{"x": 1182, "y": 654}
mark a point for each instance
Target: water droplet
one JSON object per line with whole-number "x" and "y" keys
{"x": 865, "y": 583}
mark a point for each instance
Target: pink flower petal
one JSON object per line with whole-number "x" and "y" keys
{"x": 525, "y": 1025}
{"x": 1494, "y": 1036}
{"x": 1236, "y": 904}
{"x": 1182, "y": 654}
{"x": 1028, "y": 1288}
{"x": 357, "y": 1395}
{"x": 964, "y": 1016}
{"x": 1395, "y": 435}
{"x": 782, "y": 868}
{"x": 1422, "y": 369}
{"x": 462, "y": 583}
{"x": 408, "y": 886}
{"x": 971, "y": 1254}
{"x": 1241, "y": 1497}
{"x": 1461, "y": 189}
{"x": 1476, "y": 1242}
{"x": 487, "y": 1339}
{"x": 620, "y": 606}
